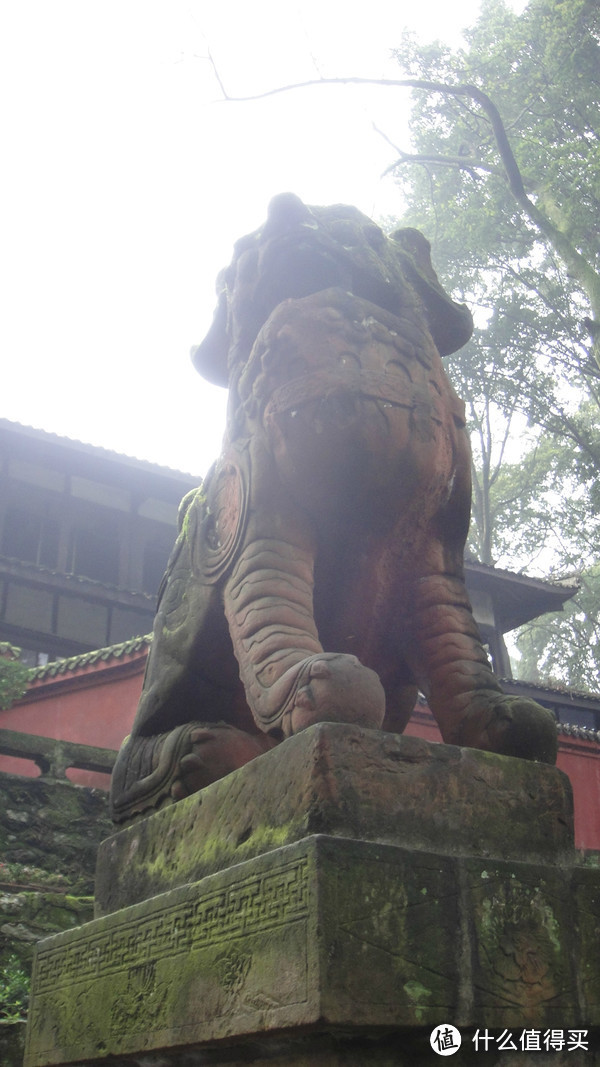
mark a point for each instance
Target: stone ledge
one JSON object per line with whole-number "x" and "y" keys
{"x": 55, "y": 757}
{"x": 349, "y": 782}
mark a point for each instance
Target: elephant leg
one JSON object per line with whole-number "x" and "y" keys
{"x": 290, "y": 681}
{"x": 453, "y": 670}
{"x": 162, "y": 768}
{"x": 186, "y": 731}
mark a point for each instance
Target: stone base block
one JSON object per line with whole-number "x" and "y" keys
{"x": 344, "y": 781}
{"x": 330, "y": 903}
{"x": 321, "y": 941}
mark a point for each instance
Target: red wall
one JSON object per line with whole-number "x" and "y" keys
{"x": 581, "y": 761}
{"x": 96, "y": 704}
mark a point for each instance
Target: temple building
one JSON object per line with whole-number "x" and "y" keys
{"x": 85, "y": 535}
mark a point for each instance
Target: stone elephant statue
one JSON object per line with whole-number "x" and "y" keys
{"x": 318, "y": 572}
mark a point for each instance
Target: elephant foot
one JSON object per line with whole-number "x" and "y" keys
{"x": 151, "y": 772}
{"x": 329, "y": 687}
{"x": 511, "y": 726}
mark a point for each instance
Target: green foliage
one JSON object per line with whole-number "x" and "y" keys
{"x": 542, "y": 71}
{"x": 14, "y": 990}
{"x": 561, "y": 647}
{"x": 14, "y": 676}
{"x": 536, "y": 504}
{"x": 515, "y": 234}
{"x": 493, "y": 245}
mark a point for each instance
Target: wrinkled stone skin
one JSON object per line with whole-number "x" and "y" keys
{"x": 318, "y": 573}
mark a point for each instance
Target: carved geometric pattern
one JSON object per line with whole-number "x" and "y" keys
{"x": 255, "y": 903}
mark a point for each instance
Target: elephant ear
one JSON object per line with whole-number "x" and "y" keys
{"x": 210, "y": 356}
{"x": 451, "y": 324}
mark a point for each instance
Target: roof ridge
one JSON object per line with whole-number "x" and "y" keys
{"x": 554, "y": 690}
{"x": 84, "y": 659}
{"x": 567, "y": 581}
{"x": 147, "y": 464}
{"x": 574, "y": 730}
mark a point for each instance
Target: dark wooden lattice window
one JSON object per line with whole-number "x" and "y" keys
{"x": 30, "y": 537}
{"x": 95, "y": 551}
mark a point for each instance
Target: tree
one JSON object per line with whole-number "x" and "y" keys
{"x": 563, "y": 649}
{"x": 517, "y": 117}
{"x": 511, "y": 187}
{"x": 504, "y": 173}
{"x": 14, "y": 675}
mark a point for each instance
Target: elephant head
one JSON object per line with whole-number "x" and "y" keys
{"x": 303, "y": 250}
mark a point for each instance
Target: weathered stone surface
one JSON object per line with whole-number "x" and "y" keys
{"x": 28, "y": 916}
{"x": 55, "y": 826}
{"x": 12, "y": 1043}
{"x": 585, "y": 905}
{"x": 349, "y": 782}
{"x": 327, "y": 936}
{"x": 525, "y": 960}
{"x": 49, "y": 834}
{"x": 172, "y": 969}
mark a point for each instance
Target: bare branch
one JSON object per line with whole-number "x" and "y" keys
{"x": 575, "y": 262}
{"x": 470, "y": 92}
{"x": 462, "y": 162}
{"x": 387, "y": 140}
{"x": 216, "y": 73}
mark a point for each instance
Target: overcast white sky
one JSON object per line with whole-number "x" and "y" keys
{"x": 125, "y": 181}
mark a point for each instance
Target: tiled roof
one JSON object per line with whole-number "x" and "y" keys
{"x": 95, "y": 450}
{"x": 569, "y": 582}
{"x": 584, "y": 732}
{"x": 9, "y": 651}
{"x": 552, "y": 692}
{"x": 85, "y": 659}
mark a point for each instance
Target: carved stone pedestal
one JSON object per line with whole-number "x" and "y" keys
{"x": 331, "y": 903}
